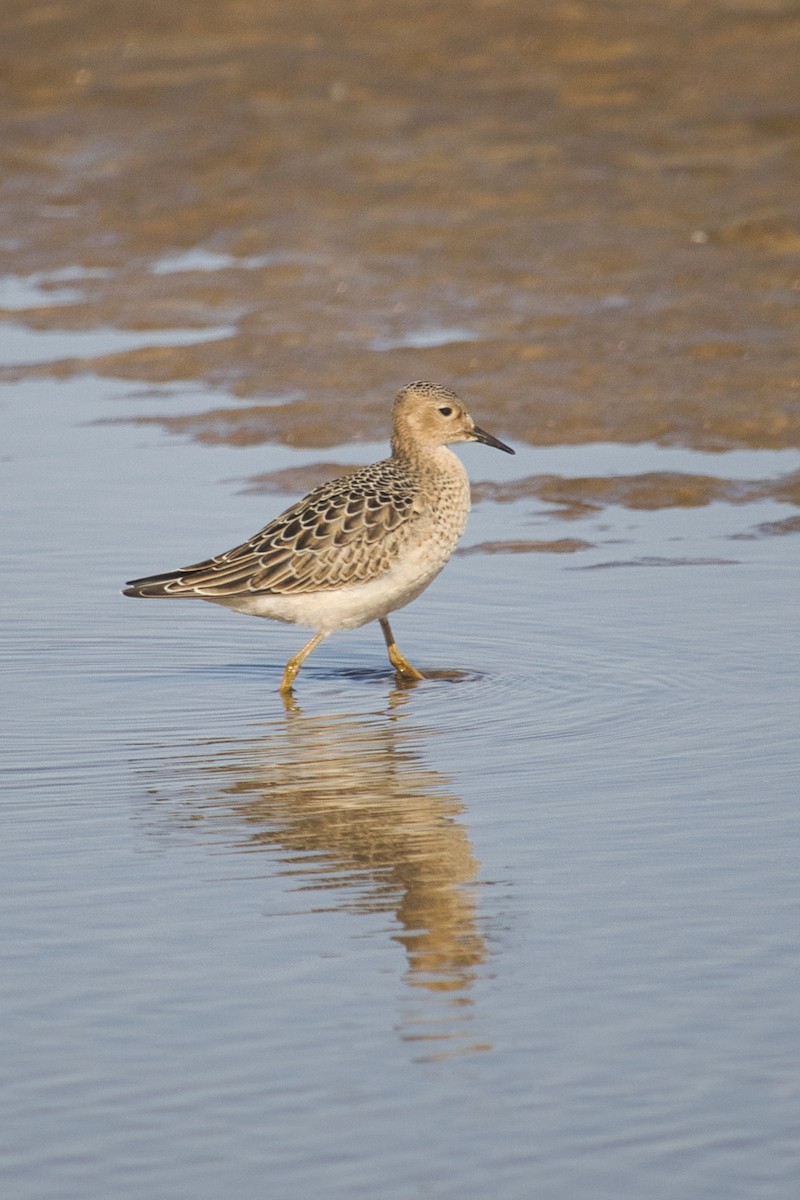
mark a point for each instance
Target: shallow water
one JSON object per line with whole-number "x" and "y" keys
{"x": 528, "y": 927}
{"x": 531, "y": 920}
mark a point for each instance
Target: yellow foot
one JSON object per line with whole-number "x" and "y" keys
{"x": 294, "y": 664}
{"x": 399, "y": 661}
{"x": 289, "y": 676}
{"x": 402, "y": 665}
{"x": 290, "y": 704}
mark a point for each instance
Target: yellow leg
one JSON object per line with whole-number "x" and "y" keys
{"x": 294, "y": 664}
{"x": 398, "y": 660}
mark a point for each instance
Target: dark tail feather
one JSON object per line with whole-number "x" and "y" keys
{"x": 153, "y": 585}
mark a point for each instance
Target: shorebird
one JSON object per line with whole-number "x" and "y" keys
{"x": 357, "y": 548}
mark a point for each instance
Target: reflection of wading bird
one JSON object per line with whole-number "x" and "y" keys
{"x": 359, "y": 823}
{"x": 357, "y": 548}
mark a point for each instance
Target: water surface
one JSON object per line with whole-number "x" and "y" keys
{"x": 529, "y": 927}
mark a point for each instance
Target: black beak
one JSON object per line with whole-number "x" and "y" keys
{"x": 480, "y": 435}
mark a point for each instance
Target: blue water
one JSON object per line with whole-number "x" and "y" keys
{"x": 526, "y": 929}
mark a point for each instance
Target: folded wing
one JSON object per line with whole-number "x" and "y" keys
{"x": 343, "y": 533}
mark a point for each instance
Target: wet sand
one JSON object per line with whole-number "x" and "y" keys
{"x": 586, "y": 217}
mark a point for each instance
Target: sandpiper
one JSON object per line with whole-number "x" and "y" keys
{"x": 357, "y": 548}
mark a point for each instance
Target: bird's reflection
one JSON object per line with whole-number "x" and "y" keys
{"x": 354, "y": 814}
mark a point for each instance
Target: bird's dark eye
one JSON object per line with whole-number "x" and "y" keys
{"x": 446, "y": 411}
